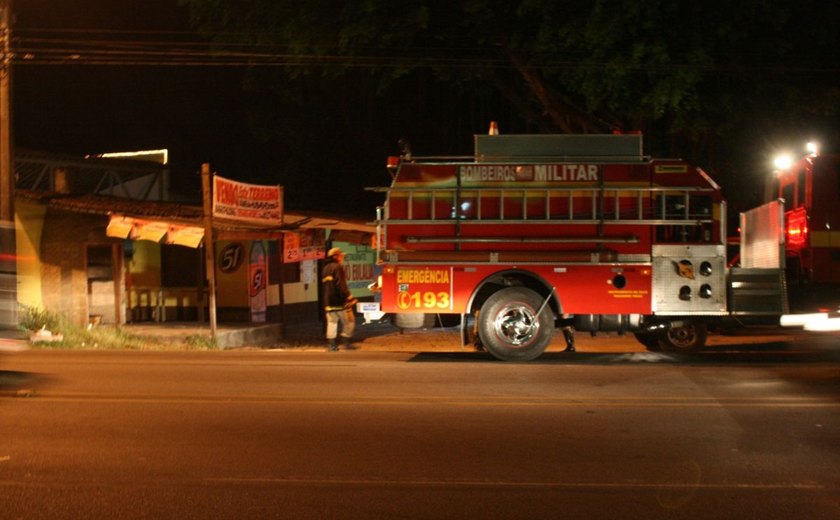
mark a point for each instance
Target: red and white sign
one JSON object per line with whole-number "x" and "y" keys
{"x": 306, "y": 244}
{"x": 247, "y": 202}
{"x": 258, "y": 278}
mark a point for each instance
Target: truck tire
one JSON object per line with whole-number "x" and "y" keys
{"x": 649, "y": 340}
{"x": 508, "y": 325}
{"x": 689, "y": 337}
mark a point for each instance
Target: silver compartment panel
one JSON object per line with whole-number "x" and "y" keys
{"x": 667, "y": 280}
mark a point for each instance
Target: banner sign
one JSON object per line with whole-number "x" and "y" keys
{"x": 247, "y": 202}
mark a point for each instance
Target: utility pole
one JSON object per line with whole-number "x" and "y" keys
{"x": 209, "y": 245}
{"x": 8, "y": 249}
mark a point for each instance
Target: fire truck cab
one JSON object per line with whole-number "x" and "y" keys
{"x": 535, "y": 232}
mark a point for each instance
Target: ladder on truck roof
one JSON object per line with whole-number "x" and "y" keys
{"x": 629, "y": 205}
{"x": 674, "y": 208}
{"x": 479, "y": 216}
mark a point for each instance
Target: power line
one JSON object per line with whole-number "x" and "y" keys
{"x": 164, "y": 53}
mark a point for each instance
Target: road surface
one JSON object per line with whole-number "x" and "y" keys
{"x": 747, "y": 432}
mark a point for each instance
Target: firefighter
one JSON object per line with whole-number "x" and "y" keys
{"x": 337, "y": 300}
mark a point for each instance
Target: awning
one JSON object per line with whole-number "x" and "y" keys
{"x": 121, "y": 226}
{"x": 182, "y": 223}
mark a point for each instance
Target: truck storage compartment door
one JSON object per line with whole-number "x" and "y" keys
{"x": 758, "y": 286}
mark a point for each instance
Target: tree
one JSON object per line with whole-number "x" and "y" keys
{"x": 690, "y": 75}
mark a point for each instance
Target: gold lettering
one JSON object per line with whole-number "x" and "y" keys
{"x": 423, "y": 276}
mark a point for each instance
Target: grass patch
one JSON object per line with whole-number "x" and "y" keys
{"x": 196, "y": 342}
{"x": 93, "y": 338}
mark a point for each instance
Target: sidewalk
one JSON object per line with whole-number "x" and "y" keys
{"x": 13, "y": 340}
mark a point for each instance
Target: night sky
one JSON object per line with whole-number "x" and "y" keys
{"x": 335, "y": 146}
{"x": 329, "y": 148}
{"x": 196, "y": 113}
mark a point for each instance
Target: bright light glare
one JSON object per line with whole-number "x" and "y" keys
{"x": 801, "y": 320}
{"x": 816, "y": 322}
{"x": 783, "y": 162}
{"x": 827, "y": 325}
{"x": 812, "y": 148}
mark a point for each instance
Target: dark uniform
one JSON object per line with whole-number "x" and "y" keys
{"x": 337, "y": 300}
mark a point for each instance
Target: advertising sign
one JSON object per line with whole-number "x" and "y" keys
{"x": 230, "y": 258}
{"x": 257, "y": 280}
{"x": 247, "y": 202}
{"x": 306, "y": 244}
{"x": 291, "y": 247}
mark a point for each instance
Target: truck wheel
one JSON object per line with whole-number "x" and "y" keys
{"x": 688, "y": 337}
{"x": 649, "y": 340}
{"x": 509, "y": 327}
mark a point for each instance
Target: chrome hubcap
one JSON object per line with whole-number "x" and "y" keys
{"x": 516, "y": 324}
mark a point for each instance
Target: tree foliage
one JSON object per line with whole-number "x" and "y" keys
{"x": 689, "y": 74}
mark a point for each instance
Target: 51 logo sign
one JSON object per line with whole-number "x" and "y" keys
{"x": 230, "y": 258}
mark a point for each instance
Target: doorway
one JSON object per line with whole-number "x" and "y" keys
{"x": 101, "y": 289}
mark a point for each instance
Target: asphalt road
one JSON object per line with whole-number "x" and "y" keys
{"x": 752, "y": 431}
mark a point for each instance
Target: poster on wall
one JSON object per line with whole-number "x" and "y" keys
{"x": 291, "y": 247}
{"x": 359, "y": 262}
{"x": 309, "y": 271}
{"x": 257, "y": 280}
{"x": 306, "y": 244}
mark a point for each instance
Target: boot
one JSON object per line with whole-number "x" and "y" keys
{"x": 569, "y": 336}
{"x": 331, "y": 346}
{"x": 347, "y": 343}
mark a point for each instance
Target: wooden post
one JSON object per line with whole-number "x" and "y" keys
{"x": 8, "y": 248}
{"x": 117, "y": 265}
{"x": 209, "y": 249}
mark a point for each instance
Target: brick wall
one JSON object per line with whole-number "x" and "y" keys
{"x": 63, "y": 261}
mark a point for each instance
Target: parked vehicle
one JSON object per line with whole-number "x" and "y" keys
{"x": 583, "y": 232}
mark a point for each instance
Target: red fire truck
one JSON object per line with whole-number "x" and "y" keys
{"x": 810, "y": 188}
{"x": 535, "y": 232}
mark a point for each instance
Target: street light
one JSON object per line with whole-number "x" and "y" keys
{"x": 782, "y": 162}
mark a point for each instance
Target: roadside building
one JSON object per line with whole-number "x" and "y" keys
{"x": 99, "y": 241}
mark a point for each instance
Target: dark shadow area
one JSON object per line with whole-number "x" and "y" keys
{"x": 22, "y": 384}
{"x": 818, "y": 350}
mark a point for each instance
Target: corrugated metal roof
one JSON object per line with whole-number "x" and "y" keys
{"x": 107, "y": 205}
{"x": 189, "y": 214}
